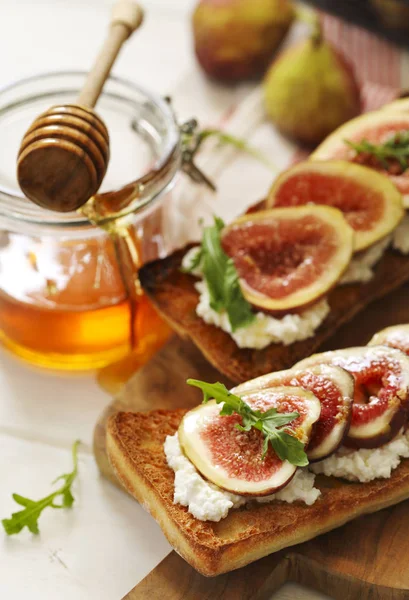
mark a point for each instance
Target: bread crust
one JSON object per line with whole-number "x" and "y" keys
{"x": 175, "y": 297}
{"x": 135, "y": 449}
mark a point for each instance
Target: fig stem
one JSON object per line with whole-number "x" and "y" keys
{"x": 311, "y": 18}
{"x": 316, "y": 34}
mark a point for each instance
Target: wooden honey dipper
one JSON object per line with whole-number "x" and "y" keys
{"x": 64, "y": 155}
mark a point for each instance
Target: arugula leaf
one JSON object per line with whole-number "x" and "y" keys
{"x": 220, "y": 393}
{"x": 395, "y": 148}
{"x": 239, "y": 310}
{"x": 278, "y": 419}
{"x": 286, "y": 446}
{"x": 293, "y": 450}
{"x": 214, "y": 266}
{"x": 34, "y": 508}
{"x": 222, "y": 278}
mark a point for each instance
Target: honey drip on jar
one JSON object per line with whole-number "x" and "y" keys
{"x": 152, "y": 333}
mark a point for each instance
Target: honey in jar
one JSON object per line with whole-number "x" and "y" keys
{"x": 65, "y": 301}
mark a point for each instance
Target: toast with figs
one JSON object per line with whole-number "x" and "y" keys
{"x": 135, "y": 446}
{"x": 174, "y": 295}
{"x": 275, "y": 461}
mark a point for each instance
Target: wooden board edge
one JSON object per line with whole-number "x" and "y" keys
{"x": 252, "y": 582}
{"x": 310, "y": 573}
{"x": 257, "y": 581}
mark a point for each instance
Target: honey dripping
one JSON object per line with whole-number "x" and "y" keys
{"x": 152, "y": 333}
{"x": 148, "y": 332}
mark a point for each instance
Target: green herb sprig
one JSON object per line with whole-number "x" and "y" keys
{"x": 222, "y": 278}
{"x": 286, "y": 446}
{"x": 396, "y": 148}
{"x": 227, "y": 139}
{"x": 192, "y": 138}
{"x": 28, "y": 517}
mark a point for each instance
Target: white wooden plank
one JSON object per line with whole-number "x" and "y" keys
{"x": 98, "y": 549}
{"x": 37, "y": 405}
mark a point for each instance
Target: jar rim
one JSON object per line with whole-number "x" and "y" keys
{"x": 159, "y": 176}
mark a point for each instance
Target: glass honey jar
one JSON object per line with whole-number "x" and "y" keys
{"x": 68, "y": 298}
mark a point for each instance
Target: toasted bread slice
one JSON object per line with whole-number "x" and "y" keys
{"x": 174, "y": 295}
{"x": 135, "y": 449}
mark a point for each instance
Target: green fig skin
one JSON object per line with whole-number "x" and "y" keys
{"x": 310, "y": 91}
{"x": 235, "y": 39}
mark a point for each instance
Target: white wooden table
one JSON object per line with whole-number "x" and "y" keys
{"x": 106, "y": 543}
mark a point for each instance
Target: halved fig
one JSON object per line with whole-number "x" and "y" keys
{"x": 376, "y": 127}
{"x": 396, "y": 336}
{"x": 381, "y": 391}
{"x": 287, "y": 258}
{"x": 232, "y": 459}
{"x": 369, "y": 201}
{"x": 334, "y": 388}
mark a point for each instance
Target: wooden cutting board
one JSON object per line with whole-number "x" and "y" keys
{"x": 366, "y": 559}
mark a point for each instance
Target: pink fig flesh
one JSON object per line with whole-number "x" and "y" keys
{"x": 381, "y": 391}
{"x": 233, "y": 459}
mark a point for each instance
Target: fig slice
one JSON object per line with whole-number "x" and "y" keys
{"x": 376, "y": 127}
{"x": 369, "y": 201}
{"x": 334, "y": 388}
{"x": 401, "y": 105}
{"x": 232, "y": 459}
{"x": 287, "y": 258}
{"x": 381, "y": 391}
{"x": 396, "y": 336}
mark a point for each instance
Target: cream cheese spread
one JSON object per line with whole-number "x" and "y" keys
{"x": 264, "y": 329}
{"x": 365, "y": 464}
{"x": 401, "y": 236}
{"x": 361, "y": 266}
{"x": 207, "y": 502}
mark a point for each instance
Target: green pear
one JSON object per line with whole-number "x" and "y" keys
{"x": 235, "y": 39}
{"x": 311, "y": 90}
